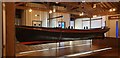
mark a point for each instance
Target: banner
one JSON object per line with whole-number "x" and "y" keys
{"x": 116, "y": 17}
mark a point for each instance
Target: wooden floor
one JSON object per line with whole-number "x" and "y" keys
{"x": 50, "y": 50}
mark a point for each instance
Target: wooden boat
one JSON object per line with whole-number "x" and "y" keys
{"x": 30, "y": 34}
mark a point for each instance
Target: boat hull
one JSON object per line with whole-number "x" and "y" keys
{"x": 29, "y": 34}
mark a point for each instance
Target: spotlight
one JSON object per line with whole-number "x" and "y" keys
{"x": 30, "y": 10}
{"x": 54, "y": 10}
{"x": 50, "y": 11}
{"x": 94, "y": 5}
{"x": 56, "y": 2}
{"x": 114, "y": 9}
{"x": 81, "y": 14}
{"x": 94, "y": 16}
{"x": 110, "y": 10}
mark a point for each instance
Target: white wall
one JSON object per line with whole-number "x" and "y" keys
{"x": 86, "y": 24}
{"x": 65, "y": 18}
{"x": 42, "y": 16}
{"x": 97, "y": 23}
{"x": 112, "y": 25}
{"x": 79, "y": 23}
{"x": 0, "y": 30}
{"x": 30, "y": 16}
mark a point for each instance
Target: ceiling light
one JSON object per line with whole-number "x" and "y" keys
{"x": 94, "y": 5}
{"x": 30, "y": 10}
{"x": 56, "y": 2}
{"x": 94, "y": 16}
{"x": 83, "y": 1}
{"x": 114, "y": 9}
{"x": 81, "y": 14}
{"x": 110, "y": 10}
{"x": 50, "y": 11}
{"x": 54, "y": 10}
{"x": 36, "y": 15}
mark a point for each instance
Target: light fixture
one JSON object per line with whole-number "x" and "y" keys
{"x": 56, "y": 2}
{"x": 83, "y": 1}
{"x": 35, "y": 15}
{"x": 54, "y": 10}
{"x": 94, "y": 16}
{"x": 94, "y": 5}
{"x": 110, "y": 10}
{"x": 50, "y": 11}
{"x": 30, "y": 10}
{"x": 114, "y": 9}
{"x": 81, "y": 14}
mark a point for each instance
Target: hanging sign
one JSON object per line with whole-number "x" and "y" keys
{"x": 114, "y": 17}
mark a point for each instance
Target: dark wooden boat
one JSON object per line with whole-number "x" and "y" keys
{"x": 30, "y": 34}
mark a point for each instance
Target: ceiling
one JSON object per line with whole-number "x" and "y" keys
{"x": 75, "y": 8}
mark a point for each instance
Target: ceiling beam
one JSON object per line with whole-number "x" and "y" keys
{"x": 20, "y": 3}
{"x": 101, "y": 9}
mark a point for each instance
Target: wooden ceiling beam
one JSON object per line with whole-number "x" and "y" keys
{"x": 40, "y": 9}
{"x": 26, "y": 8}
{"x": 103, "y": 3}
{"x": 101, "y": 9}
{"x": 20, "y": 3}
{"x": 108, "y": 5}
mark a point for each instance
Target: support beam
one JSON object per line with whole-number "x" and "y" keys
{"x": 10, "y": 29}
{"x": 0, "y": 29}
{"x": 20, "y": 3}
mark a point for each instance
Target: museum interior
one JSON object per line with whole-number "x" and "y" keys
{"x": 61, "y": 29}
